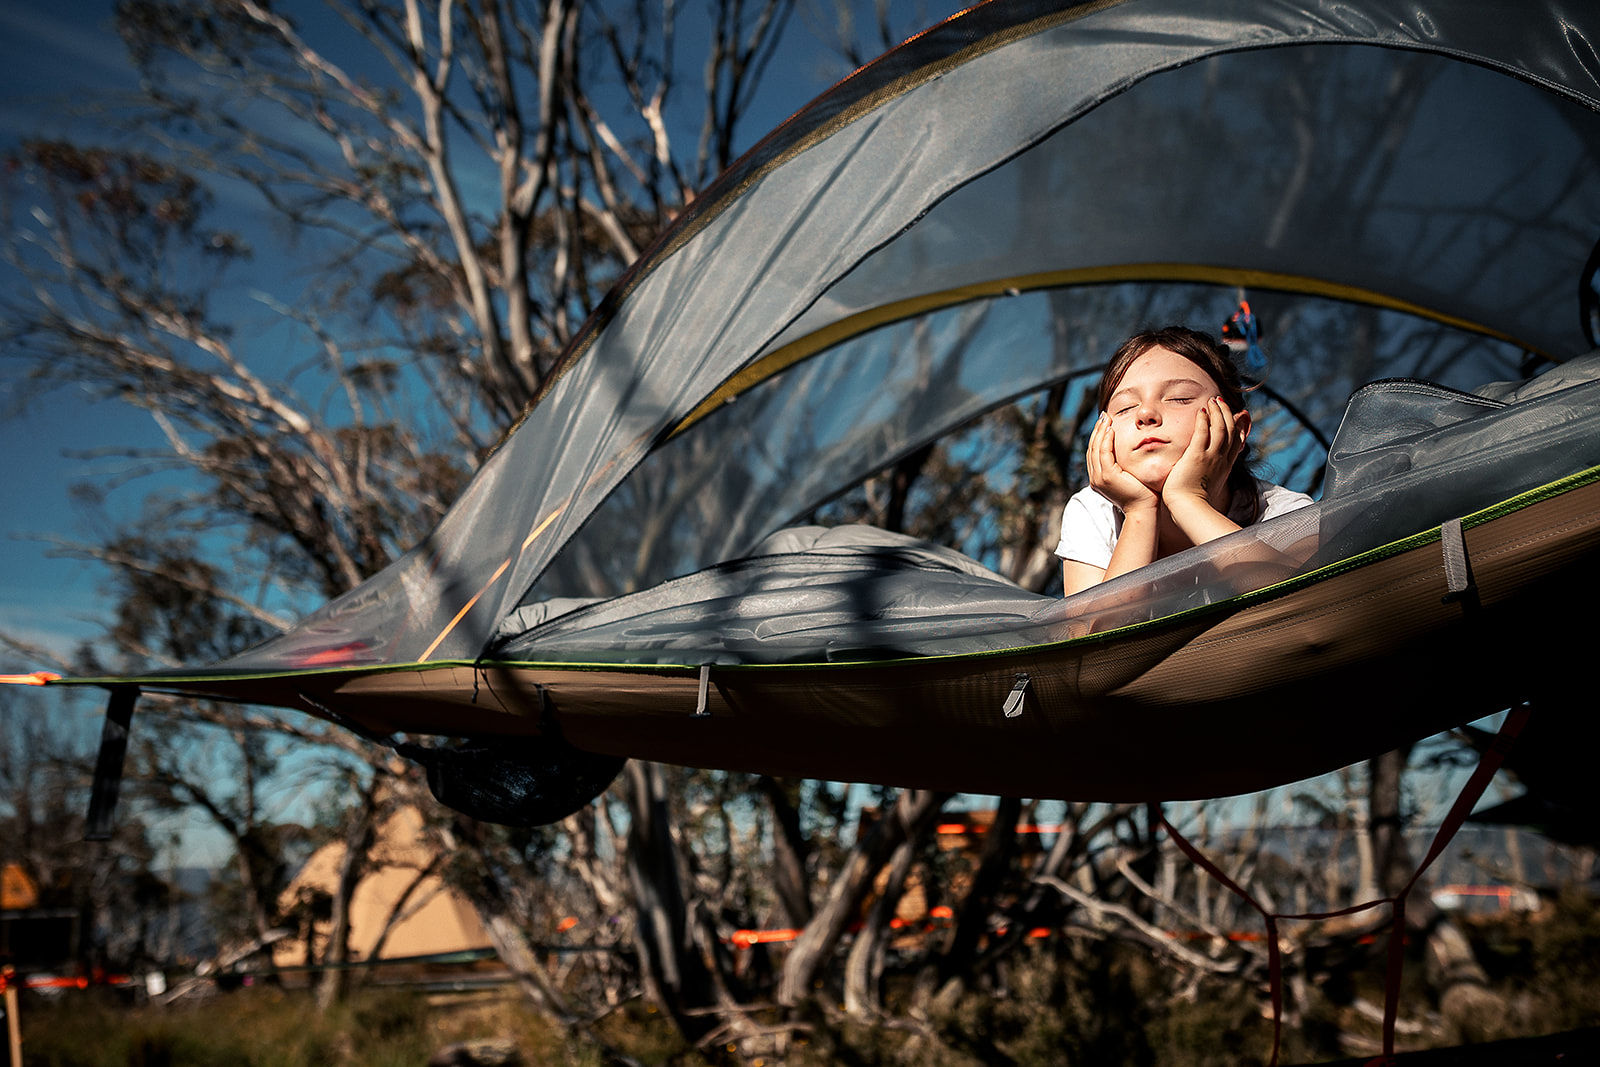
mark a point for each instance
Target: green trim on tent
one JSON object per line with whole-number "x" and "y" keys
{"x": 1509, "y": 506}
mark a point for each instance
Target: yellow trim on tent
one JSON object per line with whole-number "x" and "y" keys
{"x": 842, "y": 330}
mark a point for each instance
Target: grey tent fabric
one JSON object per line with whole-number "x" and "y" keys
{"x": 1036, "y": 148}
{"x": 1391, "y": 427}
{"x": 844, "y": 593}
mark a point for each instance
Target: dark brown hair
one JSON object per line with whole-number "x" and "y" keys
{"x": 1211, "y": 356}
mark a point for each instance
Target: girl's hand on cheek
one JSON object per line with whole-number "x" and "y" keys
{"x": 1108, "y": 477}
{"x": 1201, "y": 473}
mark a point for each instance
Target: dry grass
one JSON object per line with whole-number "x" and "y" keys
{"x": 267, "y": 1027}
{"x": 1055, "y": 1006}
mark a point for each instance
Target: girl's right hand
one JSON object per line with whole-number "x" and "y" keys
{"x": 1108, "y": 477}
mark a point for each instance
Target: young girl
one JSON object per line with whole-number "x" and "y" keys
{"x": 1167, "y": 460}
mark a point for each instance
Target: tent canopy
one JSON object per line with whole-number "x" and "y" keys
{"x": 987, "y": 209}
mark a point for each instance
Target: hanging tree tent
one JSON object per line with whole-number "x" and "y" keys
{"x": 981, "y": 213}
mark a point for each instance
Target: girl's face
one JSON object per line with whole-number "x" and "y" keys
{"x": 1153, "y": 412}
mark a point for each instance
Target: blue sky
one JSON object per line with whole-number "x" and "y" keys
{"x": 53, "y": 54}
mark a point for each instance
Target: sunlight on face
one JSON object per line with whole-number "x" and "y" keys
{"x": 1153, "y": 413}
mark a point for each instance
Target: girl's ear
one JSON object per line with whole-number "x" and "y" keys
{"x": 1241, "y": 422}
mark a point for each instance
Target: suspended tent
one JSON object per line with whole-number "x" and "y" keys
{"x": 981, "y": 213}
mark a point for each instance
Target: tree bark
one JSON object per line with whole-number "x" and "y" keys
{"x": 1391, "y": 860}
{"x": 911, "y": 812}
{"x": 864, "y": 963}
{"x": 1471, "y": 1011}
{"x": 789, "y": 851}
{"x": 674, "y": 973}
{"x": 972, "y": 921}
{"x": 353, "y": 866}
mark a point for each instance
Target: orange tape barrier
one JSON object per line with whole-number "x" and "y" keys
{"x": 50, "y": 981}
{"x": 938, "y": 917}
{"x": 978, "y": 828}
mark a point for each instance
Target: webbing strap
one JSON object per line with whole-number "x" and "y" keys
{"x": 1457, "y": 567}
{"x": 702, "y": 708}
{"x": 101, "y": 821}
{"x": 1488, "y": 763}
{"x": 1274, "y": 960}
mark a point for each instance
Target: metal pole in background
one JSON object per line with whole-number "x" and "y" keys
{"x": 8, "y": 982}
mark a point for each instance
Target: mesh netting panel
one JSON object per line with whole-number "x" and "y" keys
{"x": 1409, "y": 457}
{"x": 767, "y": 459}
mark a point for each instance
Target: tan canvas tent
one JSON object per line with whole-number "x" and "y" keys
{"x": 400, "y": 899}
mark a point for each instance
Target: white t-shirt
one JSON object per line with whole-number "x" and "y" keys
{"x": 1090, "y": 523}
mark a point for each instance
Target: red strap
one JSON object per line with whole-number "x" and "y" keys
{"x": 1488, "y": 764}
{"x": 1274, "y": 960}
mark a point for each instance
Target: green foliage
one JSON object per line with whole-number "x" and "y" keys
{"x": 84, "y": 1030}
{"x": 249, "y": 1028}
{"x": 1075, "y": 1002}
{"x": 145, "y": 203}
{"x": 1079, "y": 1004}
{"x": 1221, "y": 1026}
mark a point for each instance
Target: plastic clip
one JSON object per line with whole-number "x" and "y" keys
{"x": 1019, "y": 692}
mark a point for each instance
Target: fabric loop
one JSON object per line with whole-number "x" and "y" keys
{"x": 100, "y": 823}
{"x": 1457, "y": 567}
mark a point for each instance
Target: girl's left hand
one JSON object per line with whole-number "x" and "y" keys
{"x": 1203, "y": 469}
